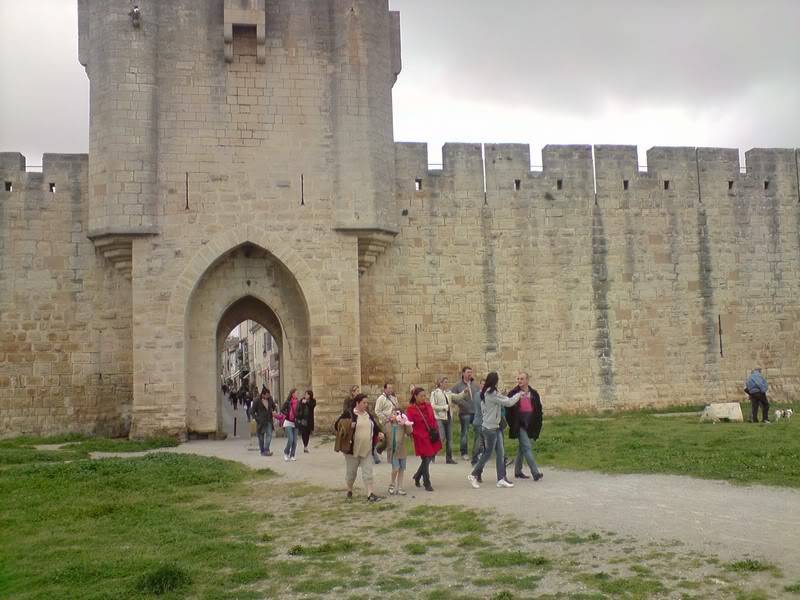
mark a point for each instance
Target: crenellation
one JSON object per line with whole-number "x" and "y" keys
{"x": 270, "y": 188}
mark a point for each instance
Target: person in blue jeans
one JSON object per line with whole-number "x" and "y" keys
{"x": 263, "y": 411}
{"x": 289, "y": 411}
{"x": 525, "y": 424}
{"x": 492, "y": 402}
{"x": 467, "y": 413}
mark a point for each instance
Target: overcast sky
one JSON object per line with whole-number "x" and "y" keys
{"x": 644, "y": 72}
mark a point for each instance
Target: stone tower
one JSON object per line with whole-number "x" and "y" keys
{"x": 241, "y": 166}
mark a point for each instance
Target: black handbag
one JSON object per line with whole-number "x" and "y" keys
{"x": 433, "y": 434}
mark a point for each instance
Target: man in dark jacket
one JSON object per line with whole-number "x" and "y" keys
{"x": 525, "y": 424}
{"x": 263, "y": 410}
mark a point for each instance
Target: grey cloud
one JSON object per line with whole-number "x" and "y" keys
{"x": 570, "y": 54}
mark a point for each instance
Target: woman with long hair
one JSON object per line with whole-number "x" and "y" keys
{"x": 491, "y": 405}
{"x": 305, "y": 417}
{"x": 425, "y": 435}
{"x": 289, "y": 411}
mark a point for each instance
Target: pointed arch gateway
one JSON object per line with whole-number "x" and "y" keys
{"x": 244, "y": 282}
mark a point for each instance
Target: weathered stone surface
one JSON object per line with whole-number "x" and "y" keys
{"x": 723, "y": 411}
{"x": 222, "y": 187}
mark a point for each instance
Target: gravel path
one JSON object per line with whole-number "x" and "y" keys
{"x": 707, "y": 516}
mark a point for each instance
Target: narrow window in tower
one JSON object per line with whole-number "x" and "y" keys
{"x": 52, "y": 188}
{"x": 666, "y": 184}
{"x": 560, "y": 184}
{"x": 418, "y": 185}
{"x": 766, "y": 185}
{"x": 517, "y": 185}
{"x": 9, "y": 187}
{"x": 625, "y": 184}
{"x": 730, "y": 185}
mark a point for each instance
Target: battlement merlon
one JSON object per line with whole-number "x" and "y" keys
{"x": 670, "y": 169}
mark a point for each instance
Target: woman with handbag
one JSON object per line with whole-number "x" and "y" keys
{"x": 305, "y": 417}
{"x": 425, "y": 435}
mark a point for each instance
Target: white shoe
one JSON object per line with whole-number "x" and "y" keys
{"x": 504, "y": 484}
{"x": 474, "y": 481}
{"x": 286, "y": 457}
{"x": 464, "y": 457}
{"x": 293, "y": 458}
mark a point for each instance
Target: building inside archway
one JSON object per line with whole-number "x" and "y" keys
{"x": 250, "y": 356}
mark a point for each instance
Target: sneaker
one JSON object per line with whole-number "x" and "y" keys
{"x": 768, "y": 422}
{"x": 504, "y": 483}
{"x": 464, "y": 457}
{"x": 521, "y": 476}
{"x": 305, "y": 450}
{"x": 400, "y": 492}
{"x": 349, "y": 496}
{"x": 373, "y": 498}
{"x": 474, "y": 481}
{"x": 538, "y": 476}
{"x": 293, "y": 458}
{"x": 286, "y": 457}
{"x": 391, "y": 490}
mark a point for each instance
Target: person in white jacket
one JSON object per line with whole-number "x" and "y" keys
{"x": 492, "y": 402}
{"x": 442, "y": 403}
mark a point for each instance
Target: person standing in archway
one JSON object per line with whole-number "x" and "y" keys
{"x": 289, "y": 411}
{"x": 305, "y": 417}
{"x": 262, "y": 412}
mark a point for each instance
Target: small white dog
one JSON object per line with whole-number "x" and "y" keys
{"x": 783, "y": 414}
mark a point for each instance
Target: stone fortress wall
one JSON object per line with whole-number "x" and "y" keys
{"x": 242, "y": 166}
{"x": 609, "y": 299}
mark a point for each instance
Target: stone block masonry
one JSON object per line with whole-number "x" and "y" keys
{"x": 611, "y": 298}
{"x": 242, "y": 165}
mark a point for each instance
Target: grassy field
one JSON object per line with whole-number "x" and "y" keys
{"x": 181, "y": 526}
{"x": 642, "y": 442}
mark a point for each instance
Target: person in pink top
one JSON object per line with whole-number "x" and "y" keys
{"x": 289, "y": 411}
{"x": 525, "y": 424}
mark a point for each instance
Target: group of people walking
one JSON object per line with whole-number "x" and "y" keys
{"x": 296, "y": 416}
{"x": 362, "y": 434}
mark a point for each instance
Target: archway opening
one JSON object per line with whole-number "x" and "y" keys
{"x": 249, "y": 361}
{"x": 246, "y": 285}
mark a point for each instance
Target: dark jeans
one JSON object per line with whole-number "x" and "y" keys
{"x": 305, "y": 433}
{"x": 264, "y": 434}
{"x": 466, "y": 421}
{"x": 446, "y": 433}
{"x": 756, "y": 400}
{"x": 424, "y": 470}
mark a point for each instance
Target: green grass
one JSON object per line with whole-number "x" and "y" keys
{"x": 751, "y": 565}
{"x": 506, "y": 558}
{"x": 21, "y": 450}
{"x": 107, "y": 527}
{"x": 624, "y": 587}
{"x": 793, "y": 588}
{"x": 640, "y": 442}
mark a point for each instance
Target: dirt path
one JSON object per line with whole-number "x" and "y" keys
{"x": 732, "y": 522}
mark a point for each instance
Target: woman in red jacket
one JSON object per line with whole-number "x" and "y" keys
{"x": 421, "y": 413}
